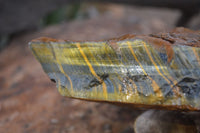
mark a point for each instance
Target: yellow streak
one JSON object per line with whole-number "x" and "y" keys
{"x": 110, "y": 61}
{"x": 150, "y": 57}
{"x": 169, "y": 77}
{"x": 92, "y": 70}
{"x": 196, "y": 55}
{"x": 62, "y": 70}
{"x": 154, "y": 84}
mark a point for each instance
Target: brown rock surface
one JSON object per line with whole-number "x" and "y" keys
{"x": 29, "y": 102}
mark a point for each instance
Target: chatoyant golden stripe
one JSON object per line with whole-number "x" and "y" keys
{"x": 131, "y": 69}
{"x": 158, "y": 70}
{"x": 154, "y": 84}
{"x": 93, "y": 71}
{"x": 61, "y": 68}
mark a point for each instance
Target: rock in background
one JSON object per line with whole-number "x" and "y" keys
{"x": 160, "y": 121}
{"x": 30, "y": 102}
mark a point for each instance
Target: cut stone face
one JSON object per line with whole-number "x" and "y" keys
{"x": 160, "y": 70}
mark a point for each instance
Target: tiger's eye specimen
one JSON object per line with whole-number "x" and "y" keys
{"x": 158, "y": 70}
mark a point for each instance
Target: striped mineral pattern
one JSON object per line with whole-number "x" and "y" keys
{"x": 157, "y": 70}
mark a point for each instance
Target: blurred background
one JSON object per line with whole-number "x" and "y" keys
{"x": 29, "y": 102}
{"x": 27, "y": 15}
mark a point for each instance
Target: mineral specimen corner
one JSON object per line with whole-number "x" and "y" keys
{"x": 158, "y": 70}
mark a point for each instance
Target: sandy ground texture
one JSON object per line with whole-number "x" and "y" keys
{"x": 30, "y": 103}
